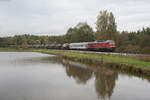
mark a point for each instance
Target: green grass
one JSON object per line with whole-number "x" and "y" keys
{"x": 115, "y": 59}
{"x": 135, "y": 62}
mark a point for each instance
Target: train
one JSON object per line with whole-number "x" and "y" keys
{"x": 104, "y": 45}
{"x": 108, "y": 45}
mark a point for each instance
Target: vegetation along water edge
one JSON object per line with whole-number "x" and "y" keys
{"x": 140, "y": 65}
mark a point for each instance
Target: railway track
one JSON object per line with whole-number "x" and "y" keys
{"x": 112, "y": 53}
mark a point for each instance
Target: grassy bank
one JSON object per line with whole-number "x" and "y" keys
{"x": 125, "y": 63}
{"x": 130, "y": 64}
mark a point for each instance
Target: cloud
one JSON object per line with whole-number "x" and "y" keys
{"x": 50, "y": 17}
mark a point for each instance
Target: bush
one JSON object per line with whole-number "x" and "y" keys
{"x": 120, "y": 49}
{"x": 146, "y": 50}
{"x": 129, "y": 49}
{"x": 24, "y": 46}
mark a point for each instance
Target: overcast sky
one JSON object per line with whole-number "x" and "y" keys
{"x": 54, "y": 17}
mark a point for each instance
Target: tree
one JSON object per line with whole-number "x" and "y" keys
{"x": 69, "y": 35}
{"x": 37, "y": 42}
{"x": 24, "y": 45}
{"x": 82, "y": 32}
{"x": 45, "y": 41}
{"x": 106, "y": 26}
{"x": 102, "y": 25}
{"x": 112, "y": 28}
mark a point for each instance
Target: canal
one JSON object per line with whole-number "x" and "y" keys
{"x": 36, "y": 76}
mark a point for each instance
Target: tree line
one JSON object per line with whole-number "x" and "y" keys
{"x": 106, "y": 29}
{"x": 134, "y": 42}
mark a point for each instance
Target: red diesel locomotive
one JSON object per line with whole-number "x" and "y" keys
{"x": 108, "y": 45}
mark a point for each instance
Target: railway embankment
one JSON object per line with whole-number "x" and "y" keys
{"x": 133, "y": 64}
{"x": 138, "y": 65}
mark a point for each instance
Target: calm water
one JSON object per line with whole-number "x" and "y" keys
{"x": 36, "y": 76}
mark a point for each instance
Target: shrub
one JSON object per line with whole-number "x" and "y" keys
{"x": 129, "y": 49}
{"x": 146, "y": 50}
{"x": 24, "y": 45}
{"x": 120, "y": 49}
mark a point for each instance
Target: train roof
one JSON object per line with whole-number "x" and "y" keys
{"x": 79, "y": 43}
{"x": 100, "y": 41}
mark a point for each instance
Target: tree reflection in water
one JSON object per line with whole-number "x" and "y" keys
{"x": 78, "y": 72}
{"x": 104, "y": 78}
{"x": 105, "y": 82}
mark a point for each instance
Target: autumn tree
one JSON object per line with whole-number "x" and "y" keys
{"x": 106, "y": 28}
{"x": 37, "y": 42}
{"x": 24, "y": 45}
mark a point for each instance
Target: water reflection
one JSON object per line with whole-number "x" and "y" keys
{"x": 105, "y": 82}
{"x": 78, "y": 72}
{"x": 36, "y": 76}
{"x": 48, "y": 59}
{"x": 27, "y": 59}
{"x": 104, "y": 78}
